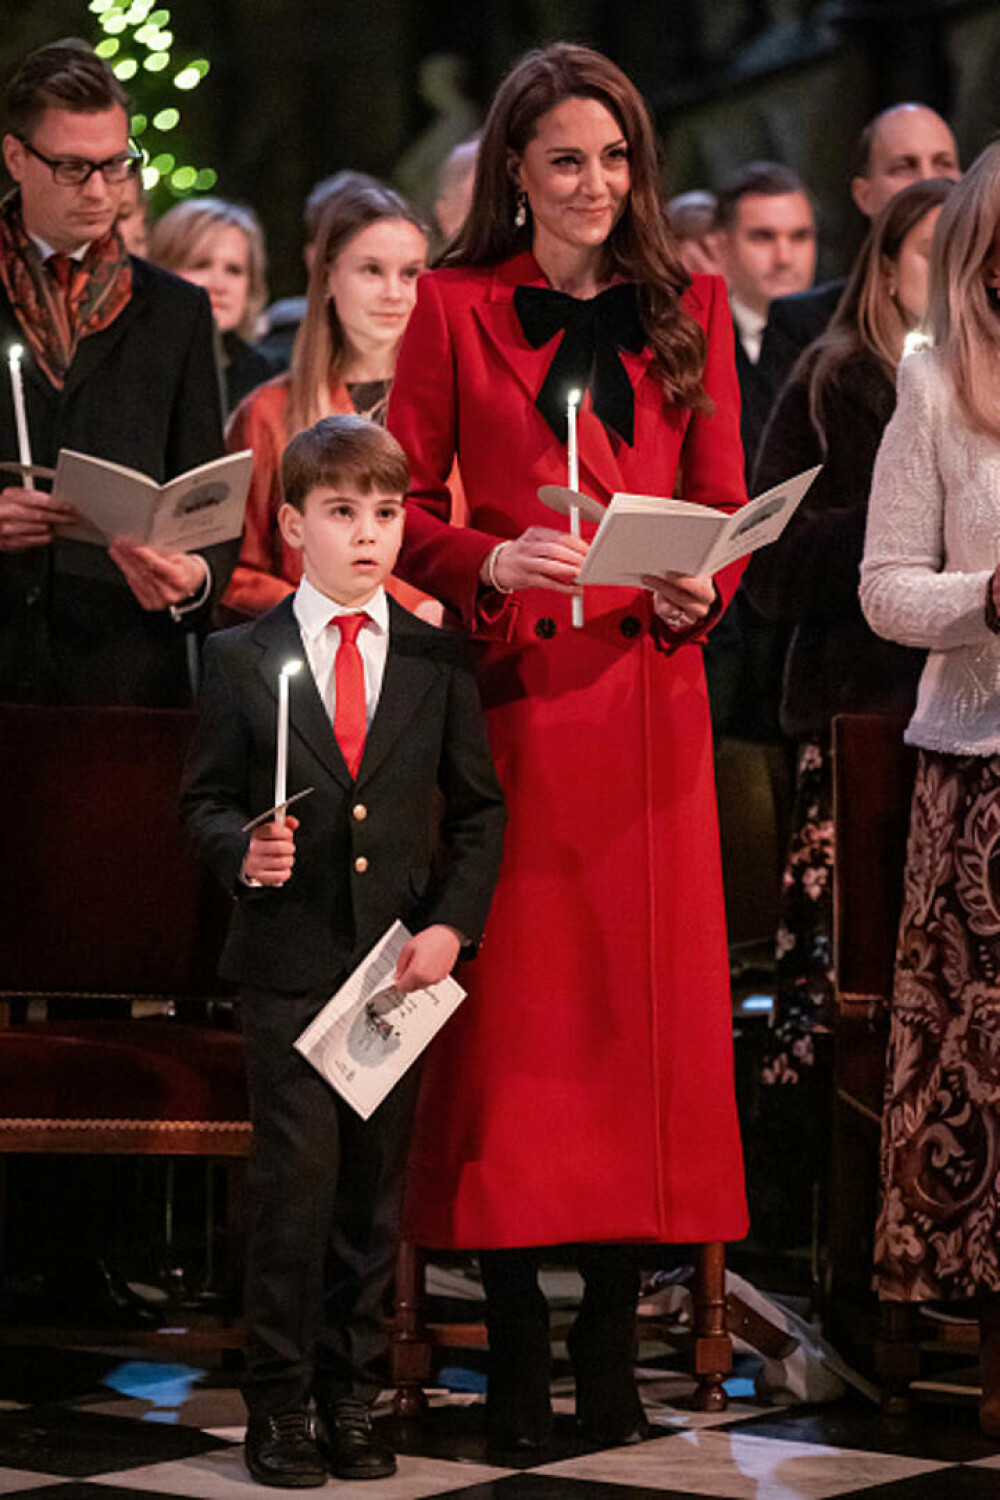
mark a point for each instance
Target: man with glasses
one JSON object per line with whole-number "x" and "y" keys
{"x": 117, "y": 363}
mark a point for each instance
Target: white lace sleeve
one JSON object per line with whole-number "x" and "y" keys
{"x": 906, "y": 593}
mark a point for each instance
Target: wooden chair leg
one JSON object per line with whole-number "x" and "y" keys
{"x": 410, "y": 1350}
{"x": 897, "y": 1355}
{"x": 713, "y": 1348}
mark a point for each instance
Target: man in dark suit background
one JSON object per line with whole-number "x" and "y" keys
{"x": 764, "y": 238}
{"x": 905, "y": 143}
{"x": 118, "y": 363}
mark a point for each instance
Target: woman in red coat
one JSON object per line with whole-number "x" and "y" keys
{"x": 583, "y": 1094}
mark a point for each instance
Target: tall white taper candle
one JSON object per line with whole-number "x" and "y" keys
{"x": 14, "y": 356}
{"x": 281, "y": 750}
{"x": 572, "y": 452}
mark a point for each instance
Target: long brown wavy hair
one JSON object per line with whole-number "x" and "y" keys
{"x": 639, "y": 248}
{"x": 962, "y": 315}
{"x": 869, "y": 318}
{"x": 320, "y": 351}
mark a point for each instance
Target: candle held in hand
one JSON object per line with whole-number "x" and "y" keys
{"x": 281, "y": 752}
{"x": 14, "y": 357}
{"x": 572, "y": 453}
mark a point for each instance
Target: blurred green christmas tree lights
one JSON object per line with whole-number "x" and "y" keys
{"x": 137, "y": 45}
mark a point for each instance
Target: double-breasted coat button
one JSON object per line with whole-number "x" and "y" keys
{"x": 545, "y": 628}
{"x": 361, "y": 864}
{"x": 359, "y": 812}
{"x": 630, "y": 626}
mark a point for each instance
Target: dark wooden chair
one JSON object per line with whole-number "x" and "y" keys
{"x": 106, "y": 914}
{"x": 873, "y": 785}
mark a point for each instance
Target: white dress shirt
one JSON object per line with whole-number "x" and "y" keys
{"x": 750, "y": 327}
{"x": 314, "y": 611}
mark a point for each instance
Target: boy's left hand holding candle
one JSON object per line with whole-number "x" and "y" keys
{"x": 270, "y": 858}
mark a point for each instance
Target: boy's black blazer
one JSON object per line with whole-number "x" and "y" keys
{"x": 417, "y": 836}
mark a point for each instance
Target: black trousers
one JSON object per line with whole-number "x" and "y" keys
{"x": 325, "y": 1193}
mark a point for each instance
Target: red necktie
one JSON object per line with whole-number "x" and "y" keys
{"x": 349, "y": 714}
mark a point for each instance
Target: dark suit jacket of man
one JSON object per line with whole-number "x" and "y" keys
{"x": 143, "y": 392}
{"x": 792, "y": 324}
{"x": 421, "y": 862}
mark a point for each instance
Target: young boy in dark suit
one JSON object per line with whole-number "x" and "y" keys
{"x": 405, "y": 820}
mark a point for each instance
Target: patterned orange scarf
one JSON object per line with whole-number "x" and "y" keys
{"x": 54, "y": 323}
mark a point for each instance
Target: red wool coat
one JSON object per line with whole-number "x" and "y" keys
{"x": 584, "y": 1090}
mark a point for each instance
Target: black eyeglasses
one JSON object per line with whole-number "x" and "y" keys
{"x": 74, "y": 171}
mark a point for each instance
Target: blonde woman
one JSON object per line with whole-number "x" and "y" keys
{"x": 370, "y": 248}
{"x": 930, "y": 579}
{"x": 220, "y": 246}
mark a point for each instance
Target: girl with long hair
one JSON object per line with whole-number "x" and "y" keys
{"x": 583, "y": 1095}
{"x": 833, "y": 411}
{"x": 931, "y": 580}
{"x": 370, "y": 248}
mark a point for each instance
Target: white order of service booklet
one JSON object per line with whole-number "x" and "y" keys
{"x": 650, "y": 535}
{"x": 193, "y": 511}
{"x": 368, "y": 1034}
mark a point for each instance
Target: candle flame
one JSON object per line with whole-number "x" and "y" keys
{"x": 574, "y": 398}
{"x": 290, "y": 668}
{"x": 15, "y": 353}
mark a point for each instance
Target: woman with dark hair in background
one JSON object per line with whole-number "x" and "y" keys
{"x": 583, "y": 1095}
{"x": 833, "y": 411}
{"x": 370, "y": 248}
{"x": 220, "y": 246}
{"x": 931, "y": 580}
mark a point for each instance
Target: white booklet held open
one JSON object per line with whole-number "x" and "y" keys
{"x": 193, "y": 511}
{"x": 647, "y": 534}
{"x": 368, "y": 1035}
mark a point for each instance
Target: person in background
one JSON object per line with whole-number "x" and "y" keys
{"x": 583, "y": 1095}
{"x": 905, "y": 143}
{"x": 690, "y": 219}
{"x": 832, "y": 411}
{"x": 220, "y": 246}
{"x": 370, "y": 248}
{"x": 118, "y": 363}
{"x": 134, "y": 217}
{"x": 454, "y": 188}
{"x": 764, "y": 238}
{"x": 930, "y": 579}
{"x": 284, "y": 317}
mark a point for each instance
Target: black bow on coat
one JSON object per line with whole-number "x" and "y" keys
{"x": 587, "y": 357}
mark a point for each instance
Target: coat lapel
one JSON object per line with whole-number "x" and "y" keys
{"x": 409, "y": 674}
{"x": 277, "y": 636}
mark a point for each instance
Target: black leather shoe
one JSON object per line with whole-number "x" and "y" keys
{"x": 282, "y": 1451}
{"x": 349, "y": 1443}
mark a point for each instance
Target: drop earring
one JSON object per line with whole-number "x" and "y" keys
{"x": 521, "y": 210}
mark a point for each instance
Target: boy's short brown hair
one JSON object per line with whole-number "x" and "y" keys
{"x": 64, "y": 75}
{"x": 343, "y": 450}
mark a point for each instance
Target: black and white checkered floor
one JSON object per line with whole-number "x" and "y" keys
{"x": 77, "y": 1424}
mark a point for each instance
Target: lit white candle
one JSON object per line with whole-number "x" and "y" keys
{"x": 281, "y": 752}
{"x": 14, "y": 357}
{"x": 573, "y": 455}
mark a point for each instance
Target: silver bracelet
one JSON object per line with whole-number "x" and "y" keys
{"x": 491, "y": 569}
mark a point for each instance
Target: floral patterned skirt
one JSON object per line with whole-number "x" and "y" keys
{"x": 938, "y": 1231}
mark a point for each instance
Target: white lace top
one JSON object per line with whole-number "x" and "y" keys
{"x": 932, "y": 542}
